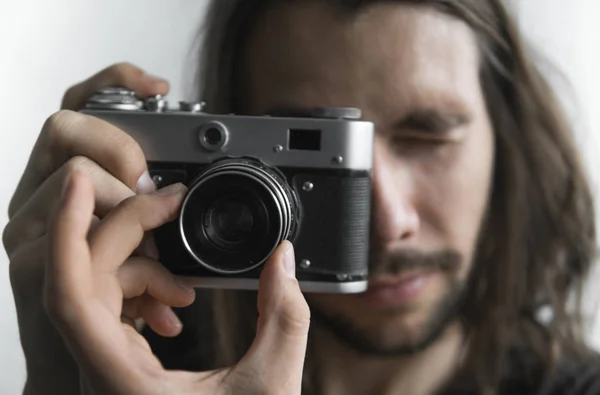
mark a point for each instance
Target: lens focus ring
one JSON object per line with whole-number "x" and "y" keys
{"x": 256, "y": 190}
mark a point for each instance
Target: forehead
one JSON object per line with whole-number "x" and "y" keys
{"x": 308, "y": 52}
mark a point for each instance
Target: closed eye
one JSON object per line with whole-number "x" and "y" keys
{"x": 432, "y": 121}
{"x": 430, "y": 125}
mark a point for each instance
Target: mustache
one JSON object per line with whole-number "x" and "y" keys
{"x": 398, "y": 262}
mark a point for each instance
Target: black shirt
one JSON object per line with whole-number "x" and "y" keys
{"x": 193, "y": 350}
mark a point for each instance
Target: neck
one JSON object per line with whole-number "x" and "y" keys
{"x": 340, "y": 370}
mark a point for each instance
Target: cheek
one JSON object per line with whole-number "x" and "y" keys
{"x": 453, "y": 190}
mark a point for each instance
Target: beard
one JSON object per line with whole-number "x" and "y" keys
{"x": 445, "y": 312}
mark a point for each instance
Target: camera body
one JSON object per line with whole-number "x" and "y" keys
{"x": 254, "y": 181}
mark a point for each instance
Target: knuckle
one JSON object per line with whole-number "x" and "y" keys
{"x": 136, "y": 271}
{"x": 130, "y": 205}
{"x": 80, "y": 164}
{"x": 132, "y": 159}
{"x": 123, "y": 156}
{"x": 151, "y": 271}
{"x": 9, "y": 236}
{"x": 58, "y": 125}
{"x": 294, "y": 319}
{"x": 21, "y": 229}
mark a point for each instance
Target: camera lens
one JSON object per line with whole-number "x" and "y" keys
{"x": 229, "y": 223}
{"x": 236, "y": 213}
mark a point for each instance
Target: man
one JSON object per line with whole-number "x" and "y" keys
{"x": 482, "y": 216}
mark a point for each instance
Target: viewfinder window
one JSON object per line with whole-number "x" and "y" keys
{"x": 304, "y": 139}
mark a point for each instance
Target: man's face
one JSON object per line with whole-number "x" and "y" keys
{"x": 415, "y": 74}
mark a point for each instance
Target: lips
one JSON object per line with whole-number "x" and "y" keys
{"x": 397, "y": 290}
{"x": 385, "y": 281}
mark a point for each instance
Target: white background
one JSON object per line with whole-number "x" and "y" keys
{"x": 46, "y": 46}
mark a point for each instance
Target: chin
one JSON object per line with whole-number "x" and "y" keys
{"x": 403, "y": 329}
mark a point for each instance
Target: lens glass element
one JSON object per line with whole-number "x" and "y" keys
{"x": 232, "y": 222}
{"x": 229, "y": 222}
{"x": 233, "y": 219}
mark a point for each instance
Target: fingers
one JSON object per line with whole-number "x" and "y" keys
{"x": 31, "y": 221}
{"x": 42, "y": 345}
{"x": 68, "y": 274}
{"x": 122, "y": 74}
{"x": 123, "y": 229}
{"x": 101, "y": 345}
{"x": 151, "y": 289}
{"x": 141, "y": 275}
{"x": 277, "y": 354}
{"x": 67, "y": 134}
{"x": 155, "y": 314}
{"x": 110, "y": 245}
{"x": 148, "y": 247}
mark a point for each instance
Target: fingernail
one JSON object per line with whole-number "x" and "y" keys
{"x": 183, "y": 285}
{"x": 174, "y": 320}
{"x": 289, "y": 260}
{"x": 145, "y": 184}
{"x": 172, "y": 189}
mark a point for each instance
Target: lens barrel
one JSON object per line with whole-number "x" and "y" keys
{"x": 236, "y": 212}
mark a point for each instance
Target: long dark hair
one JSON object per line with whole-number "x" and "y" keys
{"x": 538, "y": 239}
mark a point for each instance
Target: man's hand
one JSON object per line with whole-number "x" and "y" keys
{"x": 69, "y": 142}
{"x": 84, "y": 293}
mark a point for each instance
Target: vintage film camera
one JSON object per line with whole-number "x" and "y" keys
{"x": 253, "y": 182}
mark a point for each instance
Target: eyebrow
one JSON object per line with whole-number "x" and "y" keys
{"x": 431, "y": 120}
{"x": 428, "y": 120}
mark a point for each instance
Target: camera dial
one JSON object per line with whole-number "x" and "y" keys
{"x": 122, "y": 99}
{"x": 115, "y": 98}
{"x": 192, "y": 107}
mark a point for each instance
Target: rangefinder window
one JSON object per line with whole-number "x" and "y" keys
{"x": 304, "y": 139}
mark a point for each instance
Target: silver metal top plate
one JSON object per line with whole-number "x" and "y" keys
{"x": 174, "y": 137}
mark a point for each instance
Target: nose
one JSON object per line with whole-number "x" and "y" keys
{"x": 394, "y": 216}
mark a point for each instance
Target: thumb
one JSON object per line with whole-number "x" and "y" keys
{"x": 278, "y": 352}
